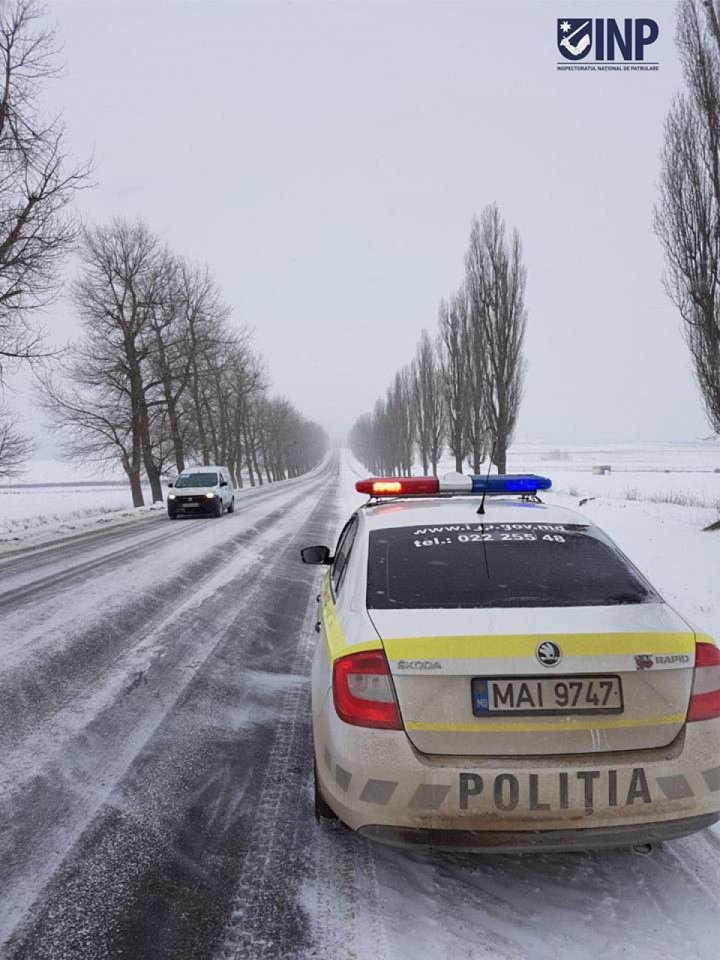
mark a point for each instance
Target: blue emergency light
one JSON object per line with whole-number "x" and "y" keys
{"x": 509, "y": 483}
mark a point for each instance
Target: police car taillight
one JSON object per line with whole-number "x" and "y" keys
{"x": 363, "y": 692}
{"x": 705, "y": 698}
{"x": 496, "y": 485}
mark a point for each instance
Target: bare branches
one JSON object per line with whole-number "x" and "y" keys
{"x": 38, "y": 182}
{"x": 455, "y": 367}
{"x": 495, "y": 281}
{"x": 15, "y": 447}
{"x": 687, "y": 215}
{"x": 428, "y": 402}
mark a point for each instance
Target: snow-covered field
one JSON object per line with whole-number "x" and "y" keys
{"x": 685, "y": 473}
{"x": 32, "y": 511}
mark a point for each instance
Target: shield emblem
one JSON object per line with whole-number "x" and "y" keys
{"x": 574, "y": 38}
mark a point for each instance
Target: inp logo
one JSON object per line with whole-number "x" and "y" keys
{"x": 612, "y": 42}
{"x": 574, "y": 38}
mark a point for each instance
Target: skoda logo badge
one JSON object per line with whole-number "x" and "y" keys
{"x": 548, "y": 653}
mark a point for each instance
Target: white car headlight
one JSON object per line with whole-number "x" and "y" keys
{"x": 210, "y": 496}
{"x": 171, "y": 496}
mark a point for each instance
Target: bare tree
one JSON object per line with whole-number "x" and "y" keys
{"x": 478, "y": 431}
{"x": 687, "y": 215}
{"x": 91, "y": 417}
{"x": 495, "y": 281}
{"x": 362, "y": 442}
{"x": 455, "y": 364}
{"x": 428, "y": 402}
{"x": 120, "y": 287}
{"x": 15, "y": 447}
{"x": 37, "y": 182}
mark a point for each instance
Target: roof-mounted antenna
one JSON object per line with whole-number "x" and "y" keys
{"x": 481, "y": 508}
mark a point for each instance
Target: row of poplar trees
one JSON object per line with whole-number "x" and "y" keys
{"x": 462, "y": 390}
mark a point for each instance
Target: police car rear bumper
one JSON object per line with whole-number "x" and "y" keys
{"x": 378, "y": 784}
{"x": 538, "y": 841}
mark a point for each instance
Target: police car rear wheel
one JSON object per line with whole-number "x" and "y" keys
{"x": 231, "y": 508}
{"x": 322, "y": 810}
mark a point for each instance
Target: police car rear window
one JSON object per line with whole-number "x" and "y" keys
{"x": 499, "y": 565}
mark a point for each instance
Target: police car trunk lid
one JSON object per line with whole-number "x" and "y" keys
{"x": 439, "y": 659}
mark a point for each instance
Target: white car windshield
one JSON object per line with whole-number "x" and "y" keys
{"x": 197, "y": 480}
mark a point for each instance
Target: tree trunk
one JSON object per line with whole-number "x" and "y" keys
{"x": 501, "y": 454}
{"x": 176, "y": 435}
{"x": 170, "y": 403}
{"x": 132, "y": 469}
{"x": 151, "y": 469}
{"x": 258, "y": 471}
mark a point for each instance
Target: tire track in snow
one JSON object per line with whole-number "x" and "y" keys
{"x": 257, "y": 928}
{"x": 16, "y": 596}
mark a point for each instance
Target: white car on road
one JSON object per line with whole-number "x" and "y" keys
{"x": 504, "y": 679}
{"x": 200, "y": 490}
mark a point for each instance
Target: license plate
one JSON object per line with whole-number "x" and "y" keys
{"x": 191, "y": 506}
{"x": 549, "y": 696}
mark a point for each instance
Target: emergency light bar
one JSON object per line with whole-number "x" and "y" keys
{"x": 495, "y": 485}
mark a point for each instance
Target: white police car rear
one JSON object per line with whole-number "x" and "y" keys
{"x": 505, "y": 680}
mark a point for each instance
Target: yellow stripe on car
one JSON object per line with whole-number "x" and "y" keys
{"x": 525, "y": 645}
{"x": 334, "y": 636}
{"x": 528, "y": 726}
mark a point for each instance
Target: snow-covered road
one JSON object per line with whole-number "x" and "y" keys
{"x": 155, "y": 774}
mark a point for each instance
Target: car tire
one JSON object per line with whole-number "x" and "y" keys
{"x": 173, "y": 516}
{"x": 218, "y": 507}
{"x": 322, "y": 810}
{"x": 231, "y": 508}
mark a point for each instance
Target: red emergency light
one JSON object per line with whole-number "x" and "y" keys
{"x": 398, "y": 486}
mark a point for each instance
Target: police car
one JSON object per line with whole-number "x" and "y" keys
{"x": 493, "y": 673}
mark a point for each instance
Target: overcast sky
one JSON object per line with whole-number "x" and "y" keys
{"x": 326, "y": 159}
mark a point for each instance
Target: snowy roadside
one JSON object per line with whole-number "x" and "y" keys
{"x": 20, "y": 532}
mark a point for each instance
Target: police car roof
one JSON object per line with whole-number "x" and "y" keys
{"x": 463, "y": 509}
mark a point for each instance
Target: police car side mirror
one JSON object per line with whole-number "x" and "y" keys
{"x": 223, "y": 483}
{"x": 169, "y": 484}
{"x": 316, "y": 555}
